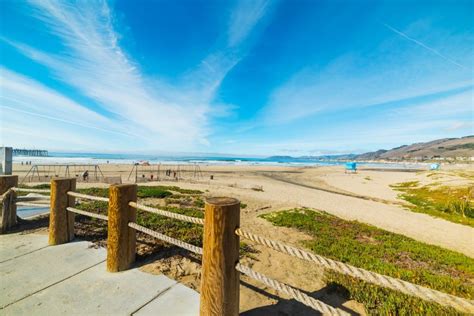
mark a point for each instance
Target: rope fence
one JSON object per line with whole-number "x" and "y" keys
{"x": 31, "y": 204}
{"x": 222, "y": 215}
{"x": 292, "y": 292}
{"x": 87, "y": 197}
{"x": 444, "y": 299}
{"x": 176, "y": 242}
{"x": 5, "y": 195}
{"x": 33, "y": 198}
{"x": 31, "y": 190}
{"x": 181, "y": 217}
{"x": 85, "y": 213}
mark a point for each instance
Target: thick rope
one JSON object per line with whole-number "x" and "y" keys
{"x": 31, "y": 204}
{"x": 31, "y": 190}
{"x": 461, "y": 304}
{"x": 94, "y": 215}
{"x": 5, "y": 195}
{"x": 33, "y": 198}
{"x": 168, "y": 239}
{"x": 294, "y": 293}
{"x": 180, "y": 217}
{"x": 88, "y": 197}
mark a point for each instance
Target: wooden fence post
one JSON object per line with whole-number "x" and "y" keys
{"x": 8, "y": 211}
{"x": 61, "y": 222}
{"x": 220, "y": 280}
{"x": 121, "y": 239}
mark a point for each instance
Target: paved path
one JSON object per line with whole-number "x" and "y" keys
{"x": 36, "y": 279}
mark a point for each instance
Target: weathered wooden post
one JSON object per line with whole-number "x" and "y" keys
{"x": 121, "y": 239}
{"x": 8, "y": 204}
{"x": 220, "y": 280}
{"x": 61, "y": 222}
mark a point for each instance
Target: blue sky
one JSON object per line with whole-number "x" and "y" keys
{"x": 238, "y": 77}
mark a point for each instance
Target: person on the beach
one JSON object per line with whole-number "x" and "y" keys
{"x": 85, "y": 175}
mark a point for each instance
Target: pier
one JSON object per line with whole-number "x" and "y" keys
{"x": 30, "y": 152}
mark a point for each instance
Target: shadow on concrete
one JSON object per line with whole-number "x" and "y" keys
{"x": 30, "y": 225}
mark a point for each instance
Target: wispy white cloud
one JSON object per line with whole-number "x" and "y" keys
{"x": 244, "y": 18}
{"x": 434, "y": 51}
{"x": 388, "y": 127}
{"x": 29, "y": 108}
{"x": 99, "y": 69}
{"x": 390, "y": 72}
{"x": 30, "y": 95}
{"x": 160, "y": 114}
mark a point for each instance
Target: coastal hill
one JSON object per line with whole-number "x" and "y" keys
{"x": 446, "y": 148}
{"x": 440, "y": 149}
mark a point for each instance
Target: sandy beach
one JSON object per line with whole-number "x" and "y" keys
{"x": 365, "y": 196}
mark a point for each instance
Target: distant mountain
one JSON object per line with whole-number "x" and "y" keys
{"x": 277, "y": 158}
{"x": 446, "y": 148}
{"x": 311, "y": 158}
{"x": 436, "y": 149}
{"x": 331, "y": 157}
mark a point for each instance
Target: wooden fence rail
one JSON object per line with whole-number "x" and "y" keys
{"x": 220, "y": 280}
{"x": 8, "y": 211}
{"x": 220, "y": 253}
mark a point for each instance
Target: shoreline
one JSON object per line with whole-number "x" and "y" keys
{"x": 228, "y": 161}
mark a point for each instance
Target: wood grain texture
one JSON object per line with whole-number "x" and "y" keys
{"x": 220, "y": 280}
{"x": 121, "y": 239}
{"x": 5, "y": 216}
{"x": 61, "y": 222}
{"x": 7, "y": 182}
{"x": 8, "y": 212}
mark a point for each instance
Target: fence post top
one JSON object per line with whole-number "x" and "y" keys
{"x": 123, "y": 185}
{"x": 8, "y": 176}
{"x": 222, "y": 201}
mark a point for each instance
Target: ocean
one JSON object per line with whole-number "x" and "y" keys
{"x": 101, "y": 158}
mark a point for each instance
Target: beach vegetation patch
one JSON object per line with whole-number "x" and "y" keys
{"x": 455, "y": 204}
{"x": 159, "y": 192}
{"x": 96, "y": 230}
{"x": 179, "y": 190}
{"x": 42, "y": 186}
{"x": 152, "y": 192}
{"x": 102, "y": 192}
{"x": 383, "y": 252}
{"x": 45, "y": 186}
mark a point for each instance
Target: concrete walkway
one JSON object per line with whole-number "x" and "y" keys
{"x": 71, "y": 279}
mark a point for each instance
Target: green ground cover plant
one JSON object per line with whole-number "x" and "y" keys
{"x": 454, "y": 204}
{"x": 187, "y": 202}
{"x": 377, "y": 250}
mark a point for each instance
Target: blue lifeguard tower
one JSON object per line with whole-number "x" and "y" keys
{"x": 351, "y": 167}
